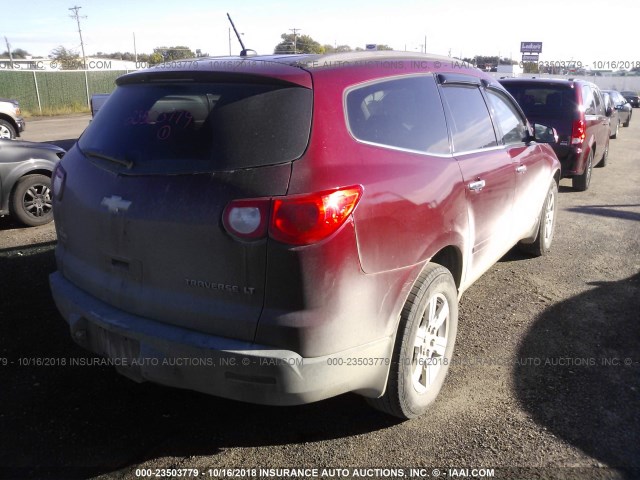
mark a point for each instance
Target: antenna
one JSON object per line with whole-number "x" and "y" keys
{"x": 245, "y": 51}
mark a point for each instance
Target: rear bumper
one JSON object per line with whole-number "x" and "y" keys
{"x": 143, "y": 349}
{"x": 571, "y": 160}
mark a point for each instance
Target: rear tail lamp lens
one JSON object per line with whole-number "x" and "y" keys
{"x": 579, "y": 132}
{"x": 59, "y": 178}
{"x": 294, "y": 220}
{"x": 306, "y": 219}
{"x": 247, "y": 219}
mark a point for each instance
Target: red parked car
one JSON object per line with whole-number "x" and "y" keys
{"x": 283, "y": 229}
{"x": 577, "y": 110}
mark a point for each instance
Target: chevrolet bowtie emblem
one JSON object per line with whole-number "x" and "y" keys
{"x": 115, "y": 204}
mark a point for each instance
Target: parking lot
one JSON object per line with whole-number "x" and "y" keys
{"x": 545, "y": 382}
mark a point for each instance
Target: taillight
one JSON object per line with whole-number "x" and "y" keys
{"x": 305, "y": 219}
{"x": 578, "y": 132}
{"x": 58, "y": 180}
{"x": 247, "y": 219}
{"x": 294, "y": 220}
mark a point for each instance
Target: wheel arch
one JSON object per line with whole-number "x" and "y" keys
{"x": 41, "y": 167}
{"x": 11, "y": 120}
{"x": 23, "y": 173}
{"x": 450, "y": 257}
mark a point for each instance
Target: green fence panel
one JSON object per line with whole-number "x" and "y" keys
{"x": 19, "y": 86}
{"x": 61, "y": 89}
{"x": 57, "y": 89}
{"x": 102, "y": 82}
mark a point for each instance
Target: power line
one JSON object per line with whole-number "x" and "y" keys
{"x": 77, "y": 17}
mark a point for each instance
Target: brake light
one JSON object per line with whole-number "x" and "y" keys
{"x": 306, "y": 219}
{"x": 59, "y": 178}
{"x": 578, "y": 132}
{"x": 294, "y": 220}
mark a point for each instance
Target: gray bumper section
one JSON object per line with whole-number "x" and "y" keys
{"x": 143, "y": 349}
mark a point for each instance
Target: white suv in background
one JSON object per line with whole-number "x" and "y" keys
{"x": 11, "y": 121}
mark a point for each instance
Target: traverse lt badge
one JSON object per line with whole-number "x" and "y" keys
{"x": 115, "y": 204}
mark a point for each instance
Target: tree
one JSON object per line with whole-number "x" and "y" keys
{"x": 169, "y": 54}
{"x": 298, "y": 44}
{"x": 155, "y": 58}
{"x": 383, "y": 47}
{"x": 67, "y": 59}
{"x": 128, "y": 56}
{"x": 339, "y": 49}
{"x": 17, "y": 53}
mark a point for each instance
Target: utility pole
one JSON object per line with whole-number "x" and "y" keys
{"x": 295, "y": 45}
{"x": 135, "y": 51}
{"x": 9, "y": 50}
{"x": 77, "y": 18}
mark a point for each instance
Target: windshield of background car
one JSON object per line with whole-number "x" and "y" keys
{"x": 173, "y": 127}
{"x": 544, "y": 100}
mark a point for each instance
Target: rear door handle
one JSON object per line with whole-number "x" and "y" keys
{"x": 477, "y": 185}
{"x": 521, "y": 168}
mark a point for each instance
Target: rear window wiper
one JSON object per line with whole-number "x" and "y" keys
{"x": 109, "y": 158}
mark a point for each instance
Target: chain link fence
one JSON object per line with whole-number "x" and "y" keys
{"x": 47, "y": 91}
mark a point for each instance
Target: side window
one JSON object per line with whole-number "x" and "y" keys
{"x": 512, "y": 126}
{"x": 599, "y": 102}
{"x": 404, "y": 113}
{"x": 587, "y": 101}
{"x": 470, "y": 123}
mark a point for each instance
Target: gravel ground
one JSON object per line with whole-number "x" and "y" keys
{"x": 545, "y": 381}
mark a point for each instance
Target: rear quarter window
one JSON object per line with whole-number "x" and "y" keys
{"x": 403, "y": 113}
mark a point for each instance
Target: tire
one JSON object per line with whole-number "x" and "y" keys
{"x": 546, "y": 228}
{"x": 604, "y": 161}
{"x": 417, "y": 372}
{"x": 626, "y": 124}
{"x": 7, "y": 130}
{"x": 31, "y": 200}
{"x": 582, "y": 182}
{"x": 615, "y": 134}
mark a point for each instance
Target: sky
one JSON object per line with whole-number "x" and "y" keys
{"x": 458, "y": 28}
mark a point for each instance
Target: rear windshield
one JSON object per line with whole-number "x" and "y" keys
{"x": 172, "y": 127}
{"x": 544, "y": 100}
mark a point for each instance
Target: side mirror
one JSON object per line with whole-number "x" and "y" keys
{"x": 544, "y": 134}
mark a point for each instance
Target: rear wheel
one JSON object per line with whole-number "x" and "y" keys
{"x": 581, "y": 182}
{"x": 7, "y": 130}
{"x": 542, "y": 244}
{"x": 31, "y": 200}
{"x": 424, "y": 345}
{"x": 626, "y": 124}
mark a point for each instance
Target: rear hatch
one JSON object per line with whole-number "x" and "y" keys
{"x": 548, "y": 103}
{"x": 140, "y": 219}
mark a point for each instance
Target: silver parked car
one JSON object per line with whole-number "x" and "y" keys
{"x": 25, "y": 180}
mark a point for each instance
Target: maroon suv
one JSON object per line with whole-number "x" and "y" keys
{"x": 283, "y": 229}
{"x": 577, "y": 110}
